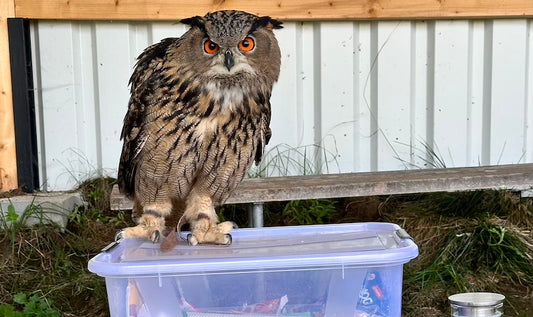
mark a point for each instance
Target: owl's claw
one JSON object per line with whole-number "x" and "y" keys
{"x": 227, "y": 240}
{"x": 150, "y": 227}
{"x": 119, "y": 235}
{"x": 205, "y": 231}
{"x": 156, "y": 236}
{"x": 191, "y": 240}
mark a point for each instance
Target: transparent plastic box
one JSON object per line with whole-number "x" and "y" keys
{"x": 321, "y": 270}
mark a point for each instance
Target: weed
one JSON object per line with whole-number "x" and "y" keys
{"x": 12, "y": 216}
{"x": 49, "y": 258}
{"x": 7, "y": 220}
{"x": 468, "y": 241}
{"x": 12, "y": 222}
{"x": 96, "y": 193}
{"x": 78, "y": 216}
{"x": 482, "y": 247}
{"x": 237, "y": 213}
{"x": 11, "y": 219}
{"x": 307, "y": 212}
{"x": 121, "y": 219}
{"x": 284, "y": 160}
{"x": 33, "y": 305}
{"x": 428, "y": 156}
{"x": 503, "y": 250}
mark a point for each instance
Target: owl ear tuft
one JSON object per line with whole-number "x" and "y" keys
{"x": 197, "y": 21}
{"x": 267, "y": 22}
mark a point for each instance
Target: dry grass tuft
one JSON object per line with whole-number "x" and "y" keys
{"x": 468, "y": 241}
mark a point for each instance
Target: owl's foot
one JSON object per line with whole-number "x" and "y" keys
{"x": 150, "y": 227}
{"x": 205, "y": 231}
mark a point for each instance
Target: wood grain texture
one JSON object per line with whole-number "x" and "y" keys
{"x": 516, "y": 176}
{"x": 281, "y": 9}
{"x": 8, "y": 158}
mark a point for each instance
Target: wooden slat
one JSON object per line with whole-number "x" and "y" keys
{"x": 518, "y": 177}
{"x": 8, "y": 158}
{"x": 282, "y": 9}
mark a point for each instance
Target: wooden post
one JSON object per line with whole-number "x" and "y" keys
{"x": 8, "y": 157}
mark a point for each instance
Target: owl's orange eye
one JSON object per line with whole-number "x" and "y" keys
{"x": 210, "y": 47}
{"x": 247, "y": 44}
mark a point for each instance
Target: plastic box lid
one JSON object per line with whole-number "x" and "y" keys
{"x": 272, "y": 248}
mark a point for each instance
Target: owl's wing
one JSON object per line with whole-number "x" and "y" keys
{"x": 134, "y": 133}
{"x": 264, "y": 136}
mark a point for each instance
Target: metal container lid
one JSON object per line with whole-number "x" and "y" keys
{"x": 477, "y": 304}
{"x": 476, "y": 299}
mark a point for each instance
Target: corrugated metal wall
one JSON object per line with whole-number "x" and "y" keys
{"x": 352, "y": 96}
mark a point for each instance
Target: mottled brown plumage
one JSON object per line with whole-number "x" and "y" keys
{"x": 198, "y": 118}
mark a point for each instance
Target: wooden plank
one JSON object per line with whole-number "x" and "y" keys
{"x": 8, "y": 157}
{"x": 516, "y": 176}
{"x": 282, "y": 9}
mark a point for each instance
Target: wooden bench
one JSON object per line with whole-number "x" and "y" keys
{"x": 259, "y": 190}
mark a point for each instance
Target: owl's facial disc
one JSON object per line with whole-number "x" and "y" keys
{"x": 229, "y": 56}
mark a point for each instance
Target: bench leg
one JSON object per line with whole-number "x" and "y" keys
{"x": 255, "y": 214}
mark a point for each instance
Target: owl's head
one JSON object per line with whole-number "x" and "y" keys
{"x": 232, "y": 45}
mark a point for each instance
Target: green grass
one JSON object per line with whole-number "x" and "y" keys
{"x": 32, "y": 305}
{"x": 484, "y": 247}
{"x": 309, "y": 212}
{"x": 469, "y": 241}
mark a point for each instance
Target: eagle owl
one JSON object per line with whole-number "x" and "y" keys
{"x": 197, "y": 119}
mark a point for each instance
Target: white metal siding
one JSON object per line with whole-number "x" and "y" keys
{"x": 352, "y": 96}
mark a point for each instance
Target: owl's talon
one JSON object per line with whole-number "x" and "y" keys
{"x": 227, "y": 239}
{"x": 156, "y": 236}
{"x": 119, "y": 235}
{"x": 191, "y": 240}
{"x": 150, "y": 227}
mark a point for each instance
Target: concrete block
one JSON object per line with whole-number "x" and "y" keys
{"x": 46, "y": 208}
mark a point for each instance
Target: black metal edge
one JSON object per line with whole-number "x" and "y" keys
{"x": 23, "y": 103}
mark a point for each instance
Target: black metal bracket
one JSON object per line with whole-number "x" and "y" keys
{"x": 23, "y": 103}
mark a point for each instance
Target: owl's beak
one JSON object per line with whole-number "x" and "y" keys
{"x": 228, "y": 60}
